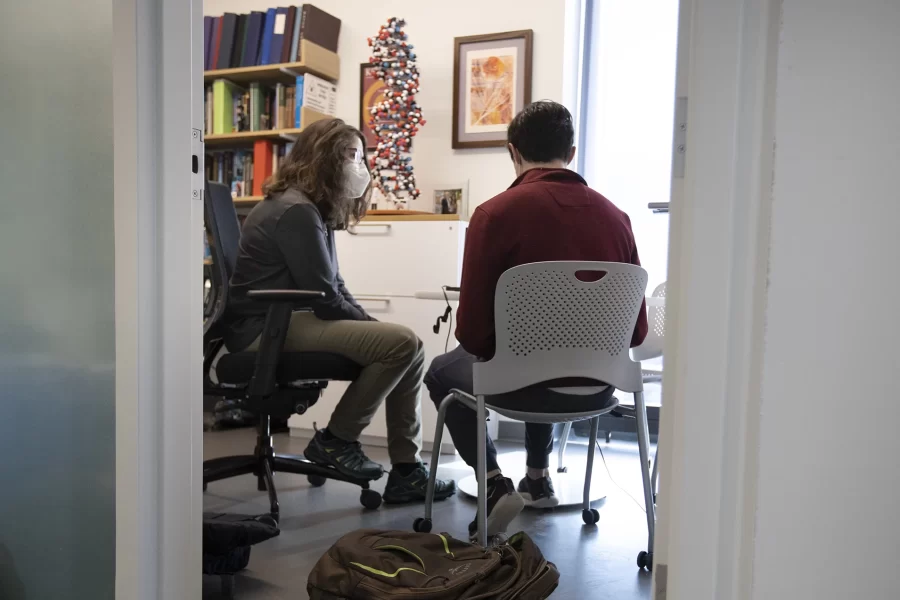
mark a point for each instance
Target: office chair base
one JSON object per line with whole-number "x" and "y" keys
{"x": 264, "y": 462}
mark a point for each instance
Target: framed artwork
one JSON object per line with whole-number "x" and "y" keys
{"x": 371, "y": 92}
{"x": 491, "y": 83}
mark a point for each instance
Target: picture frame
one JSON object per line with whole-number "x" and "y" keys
{"x": 371, "y": 90}
{"x": 491, "y": 84}
{"x": 451, "y": 199}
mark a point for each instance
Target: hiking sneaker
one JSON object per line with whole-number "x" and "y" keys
{"x": 538, "y": 493}
{"x": 412, "y": 487}
{"x": 347, "y": 458}
{"x": 503, "y": 505}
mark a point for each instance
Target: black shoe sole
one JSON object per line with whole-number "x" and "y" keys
{"x": 322, "y": 459}
{"x": 410, "y": 497}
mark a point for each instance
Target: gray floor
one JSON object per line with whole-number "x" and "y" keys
{"x": 594, "y": 562}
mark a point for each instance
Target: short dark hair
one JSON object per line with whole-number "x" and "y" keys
{"x": 542, "y": 132}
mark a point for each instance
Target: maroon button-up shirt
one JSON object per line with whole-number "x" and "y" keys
{"x": 545, "y": 215}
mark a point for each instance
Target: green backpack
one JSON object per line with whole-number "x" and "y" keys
{"x": 371, "y": 564}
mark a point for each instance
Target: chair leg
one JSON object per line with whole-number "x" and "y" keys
{"x": 270, "y": 486}
{"x": 563, "y": 441}
{"x": 481, "y": 473}
{"x": 654, "y": 476}
{"x": 643, "y": 432}
{"x": 264, "y": 450}
{"x": 436, "y": 454}
{"x": 592, "y": 448}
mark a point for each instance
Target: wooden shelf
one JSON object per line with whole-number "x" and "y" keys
{"x": 316, "y": 60}
{"x": 239, "y": 138}
{"x": 248, "y": 200}
{"x": 406, "y": 216}
{"x": 246, "y": 138}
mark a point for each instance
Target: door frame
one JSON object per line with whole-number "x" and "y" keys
{"x": 157, "y": 101}
{"x": 716, "y": 300}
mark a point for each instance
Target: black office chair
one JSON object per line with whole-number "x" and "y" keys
{"x": 270, "y": 382}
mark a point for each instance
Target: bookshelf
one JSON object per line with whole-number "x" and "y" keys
{"x": 316, "y": 60}
{"x": 258, "y": 94}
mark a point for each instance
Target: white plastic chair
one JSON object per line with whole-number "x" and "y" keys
{"x": 552, "y": 325}
{"x": 650, "y": 349}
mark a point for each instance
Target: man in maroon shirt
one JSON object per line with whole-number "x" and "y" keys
{"x": 547, "y": 214}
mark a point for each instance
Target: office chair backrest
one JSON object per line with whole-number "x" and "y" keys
{"x": 225, "y": 230}
{"x": 554, "y": 322}
{"x": 652, "y": 347}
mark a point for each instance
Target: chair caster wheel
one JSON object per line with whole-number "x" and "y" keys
{"x": 608, "y": 436}
{"x": 590, "y": 516}
{"x": 422, "y": 525}
{"x": 562, "y": 469}
{"x": 370, "y": 499}
{"x": 316, "y": 480}
{"x": 645, "y": 560}
{"x": 204, "y": 486}
{"x": 228, "y": 586}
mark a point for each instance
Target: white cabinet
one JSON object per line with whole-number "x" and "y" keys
{"x": 384, "y": 265}
{"x": 400, "y": 258}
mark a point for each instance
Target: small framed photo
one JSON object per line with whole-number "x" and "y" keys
{"x": 491, "y": 83}
{"x": 451, "y": 200}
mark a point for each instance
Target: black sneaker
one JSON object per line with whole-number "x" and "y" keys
{"x": 412, "y": 487}
{"x": 503, "y": 505}
{"x": 538, "y": 493}
{"x": 347, "y": 458}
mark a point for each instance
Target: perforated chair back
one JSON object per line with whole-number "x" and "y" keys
{"x": 652, "y": 347}
{"x": 553, "y": 323}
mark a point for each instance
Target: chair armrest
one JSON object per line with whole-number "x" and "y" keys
{"x": 284, "y": 295}
{"x": 282, "y": 304}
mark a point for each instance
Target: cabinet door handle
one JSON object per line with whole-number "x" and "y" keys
{"x": 386, "y": 226}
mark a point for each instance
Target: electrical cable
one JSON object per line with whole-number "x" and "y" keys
{"x": 450, "y": 319}
{"x": 623, "y": 490}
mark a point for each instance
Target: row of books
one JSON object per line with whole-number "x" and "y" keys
{"x": 265, "y": 38}
{"x": 245, "y": 171}
{"x": 230, "y": 108}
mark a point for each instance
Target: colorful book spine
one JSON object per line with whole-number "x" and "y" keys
{"x": 216, "y": 42}
{"x": 254, "y": 35}
{"x": 223, "y": 105}
{"x": 240, "y": 36}
{"x": 295, "y": 37}
{"x": 268, "y": 31}
{"x": 256, "y": 101}
{"x": 229, "y": 23}
{"x": 298, "y": 101}
{"x": 278, "y": 30}
{"x": 207, "y": 38}
{"x": 286, "y": 55}
{"x": 262, "y": 164}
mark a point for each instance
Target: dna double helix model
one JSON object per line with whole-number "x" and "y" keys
{"x": 397, "y": 117}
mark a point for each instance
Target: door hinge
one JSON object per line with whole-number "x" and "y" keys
{"x": 679, "y": 139}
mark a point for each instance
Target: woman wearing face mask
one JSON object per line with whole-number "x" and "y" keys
{"x": 287, "y": 242}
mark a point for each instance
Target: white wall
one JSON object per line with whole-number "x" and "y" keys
{"x": 431, "y": 27}
{"x": 630, "y": 113}
{"x": 826, "y": 524}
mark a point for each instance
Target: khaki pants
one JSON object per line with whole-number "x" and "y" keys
{"x": 392, "y": 360}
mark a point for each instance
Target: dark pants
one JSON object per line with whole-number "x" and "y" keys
{"x": 454, "y": 371}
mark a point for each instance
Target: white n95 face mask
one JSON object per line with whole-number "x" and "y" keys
{"x": 356, "y": 179}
